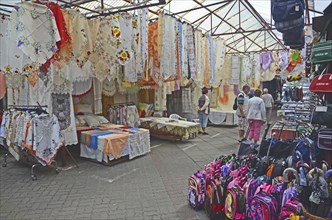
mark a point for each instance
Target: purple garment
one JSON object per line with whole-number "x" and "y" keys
{"x": 266, "y": 60}
{"x": 201, "y": 101}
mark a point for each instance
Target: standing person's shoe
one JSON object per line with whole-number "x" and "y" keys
{"x": 204, "y": 133}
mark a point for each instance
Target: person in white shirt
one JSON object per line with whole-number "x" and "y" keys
{"x": 269, "y": 102}
{"x": 256, "y": 115}
{"x": 242, "y": 105}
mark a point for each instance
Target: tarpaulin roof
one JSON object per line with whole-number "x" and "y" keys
{"x": 245, "y": 25}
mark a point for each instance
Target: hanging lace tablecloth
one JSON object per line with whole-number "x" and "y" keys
{"x": 152, "y": 75}
{"x": 37, "y": 32}
{"x": 82, "y": 87}
{"x": 219, "y": 61}
{"x": 109, "y": 87}
{"x": 168, "y": 49}
{"x": 199, "y": 49}
{"x": 235, "y": 74}
{"x": 12, "y": 58}
{"x": 63, "y": 108}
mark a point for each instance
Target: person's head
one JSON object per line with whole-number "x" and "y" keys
{"x": 205, "y": 91}
{"x": 265, "y": 91}
{"x": 258, "y": 93}
{"x": 246, "y": 89}
{"x": 252, "y": 90}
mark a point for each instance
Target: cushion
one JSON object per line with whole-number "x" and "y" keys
{"x": 102, "y": 119}
{"x": 81, "y": 120}
{"x": 91, "y": 121}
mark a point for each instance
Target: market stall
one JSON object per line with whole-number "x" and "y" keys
{"x": 108, "y": 145}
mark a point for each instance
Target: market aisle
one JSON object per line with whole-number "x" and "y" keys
{"x": 150, "y": 187}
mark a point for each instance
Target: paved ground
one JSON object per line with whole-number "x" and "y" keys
{"x": 153, "y": 186}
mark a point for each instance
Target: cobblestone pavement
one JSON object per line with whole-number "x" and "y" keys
{"x": 153, "y": 186}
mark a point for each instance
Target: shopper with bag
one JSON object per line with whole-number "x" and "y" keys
{"x": 256, "y": 115}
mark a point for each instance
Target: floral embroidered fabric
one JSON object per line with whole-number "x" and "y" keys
{"x": 219, "y": 59}
{"x": 154, "y": 63}
{"x": 12, "y": 59}
{"x": 65, "y": 42}
{"x": 46, "y": 137}
{"x": 37, "y": 32}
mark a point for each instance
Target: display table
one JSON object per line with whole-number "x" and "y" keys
{"x": 170, "y": 128}
{"x": 222, "y": 117}
{"x": 107, "y": 146}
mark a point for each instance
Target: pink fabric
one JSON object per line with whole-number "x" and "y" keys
{"x": 2, "y": 85}
{"x": 255, "y": 129}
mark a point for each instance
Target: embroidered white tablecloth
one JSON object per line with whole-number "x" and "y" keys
{"x": 219, "y": 117}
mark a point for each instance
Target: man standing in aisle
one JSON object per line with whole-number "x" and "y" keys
{"x": 242, "y": 103}
{"x": 269, "y": 102}
{"x": 204, "y": 109}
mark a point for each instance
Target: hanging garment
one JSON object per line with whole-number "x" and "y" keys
{"x": 266, "y": 60}
{"x": 37, "y": 32}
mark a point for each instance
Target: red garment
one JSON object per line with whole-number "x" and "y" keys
{"x": 2, "y": 85}
{"x": 61, "y": 25}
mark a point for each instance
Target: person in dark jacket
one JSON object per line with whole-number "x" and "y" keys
{"x": 204, "y": 109}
